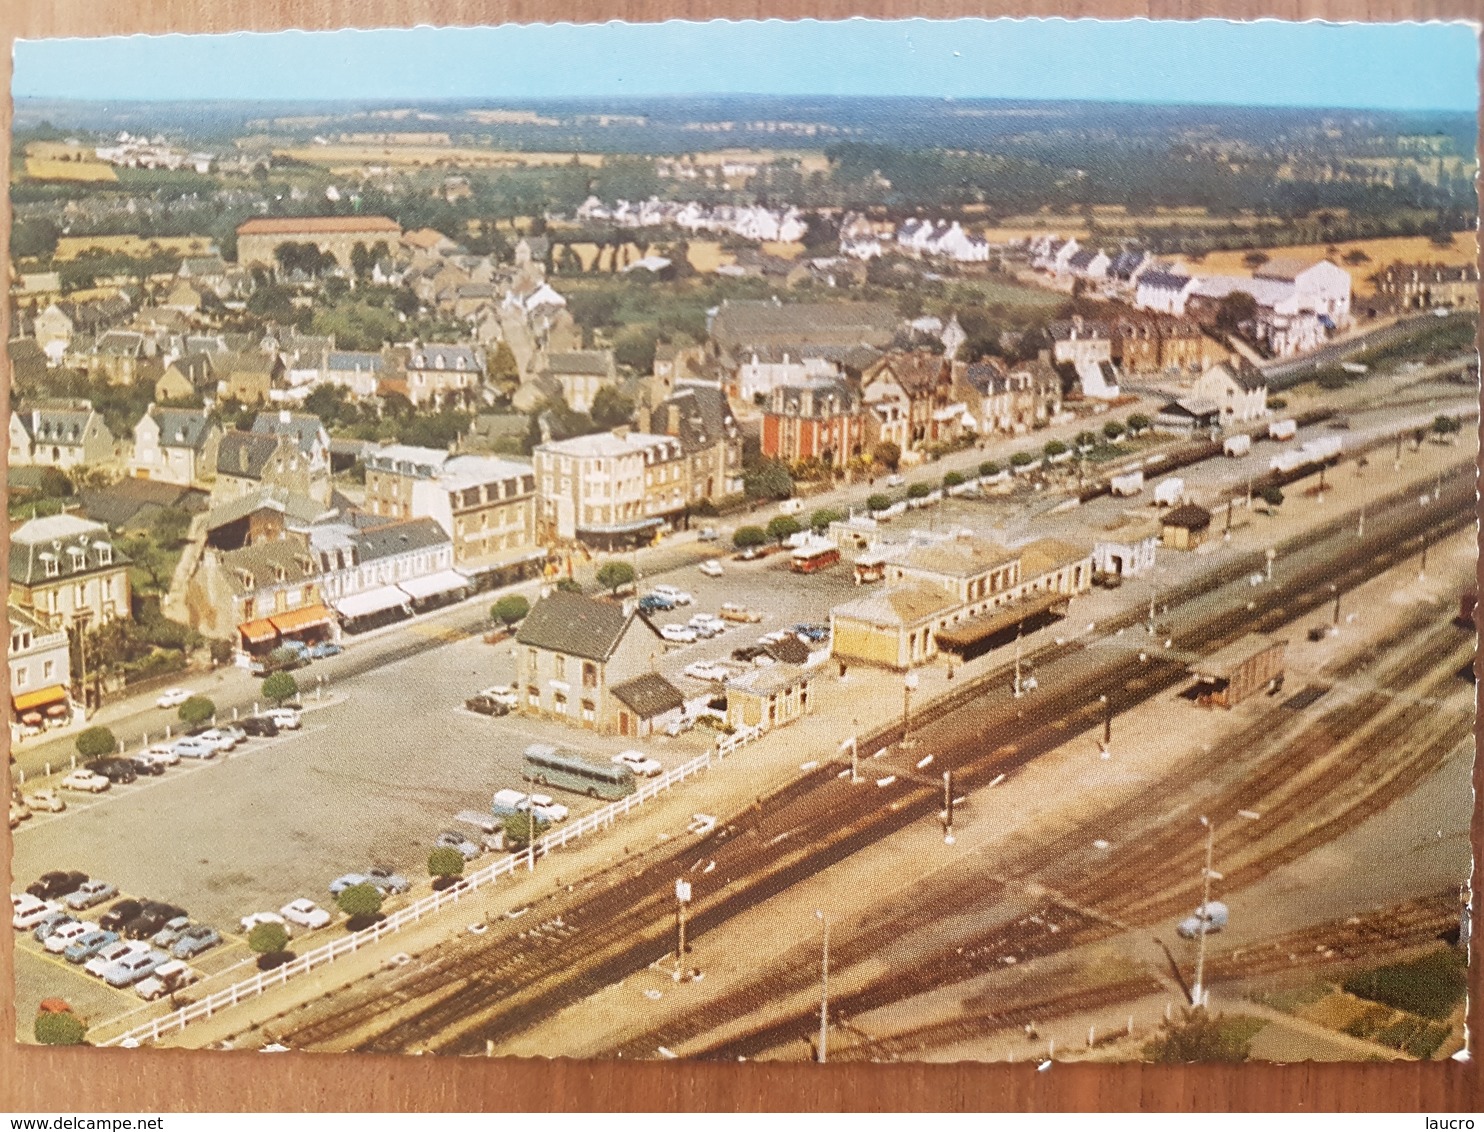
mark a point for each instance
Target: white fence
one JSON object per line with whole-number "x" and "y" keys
{"x": 261, "y": 981}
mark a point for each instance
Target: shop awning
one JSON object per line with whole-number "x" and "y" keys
{"x": 42, "y": 697}
{"x": 310, "y": 617}
{"x": 256, "y": 632}
{"x": 431, "y": 585}
{"x": 378, "y": 600}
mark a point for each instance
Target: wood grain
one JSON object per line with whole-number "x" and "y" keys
{"x": 33, "y": 1079}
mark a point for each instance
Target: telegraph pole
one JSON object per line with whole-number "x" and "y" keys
{"x": 682, "y": 898}
{"x": 1019, "y": 690}
{"x": 948, "y": 807}
{"x": 908, "y": 683}
{"x": 1198, "y": 992}
{"x": 824, "y": 991}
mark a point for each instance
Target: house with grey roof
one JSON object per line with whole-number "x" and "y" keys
{"x": 580, "y": 374}
{"x": 59, "y": 434}
{"x": 65, "y": 570}
{"x": 304, "y": 429}
{"x": 573, "y": 654}
{"x": 700, "y": 417}
{"x": 241, "y": 594}
{"x": 439, "y": 373}
{"x": 175, "y": 446}
{"x": 246, "y": 461}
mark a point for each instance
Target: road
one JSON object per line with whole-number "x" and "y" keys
{"x": 1291, "y": 372}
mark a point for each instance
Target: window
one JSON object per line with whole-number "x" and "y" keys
{"x": 82, "y": 595}
{"x": 22, "y": 675}
{"x": 559, "y": 703}
{"x": 48, "y": 669}
{"x": 561, "y": 667}
{"x": 589, "y": 674}
{"x": 533, "y": 696}
{"x": 589, "y": 711}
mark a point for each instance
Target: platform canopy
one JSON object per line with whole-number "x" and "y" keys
{"x": 968, "y": 633}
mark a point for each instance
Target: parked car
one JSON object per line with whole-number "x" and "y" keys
{"x": 131, "y": 968}
{"x": 194, "y": 747}
{"x": 501, "y": 693}
{"x": 711, "y": 568}
{"x": 151, "y": 918}
{"x": 87, "y": 781}
{"x": 638, "y": 762}
{"x": 54, "y": 885}
{"x": 145, "y": 764}
{"x": 507, "y": 801}
{"x": 705, "y": 625}
{"x": 46, "y": 801}
{"x": 165, "y": 938}
{"x": 218, "y": 738}
{"x": 324, "y": 649}
{"x": 287, "y": 662}
{"x": 680, "y": 725}
{"x": 91, "y": 893}
{"x": 258, "y": 726}
{"x": 545, "y": 807}
{"x": 253, "y": 920}
{"x": 120, "y": 914}
{"x": 390, "y": 883}
{"x": 233, "y": 732}
{"x": 814, "y": 633}
{"x": 750, "y": 554}
{"x": 486, "y": 705}
{"x": 673, "y": 593}
{"x": 83, "y": 948}
{"x": 453, "y": 839}
{"x": 286, "y": 718}
{"x": 172, "y": 697}
{"x": 707, "y": 670}
{"x": 680, "y": 634}
{"x": 349, "y": 880}
{"x": 730, "y": 611}
{"x": 168, "y": 978}
{"x": 65, "y": 935}
{"x": 162, "y": 753}
{"x": 26, "y": 911}
{"x": 654, "y": 603}
{"x": 701, "y": 824}
{"x": 194, "y": 940}
{"x": 111, "y": 954}
{"x": 305, "y": 913}
{"x": 118, "y": 771}
{"x": 51, "y": 922}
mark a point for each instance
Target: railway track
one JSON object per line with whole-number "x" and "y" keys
{"x": 480, "y": 990}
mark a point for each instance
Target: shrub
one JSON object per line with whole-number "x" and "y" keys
{"x": 878, "y": 502}
{"x": 96, "y": 742}
{"x": 952, "y": 479}
{"x": 510, "y": 609}
{"x": 196, "y": 711}
{"x": 1054, "y": 448}
{"x": 614, "y": 574}
{"x": 60, "y": 1029}
{"x": 1138, "y": 422}
{"x": 989, "y": 468}
{"x": 822, "y": 518}
{"x": 280, "y": 688}
{"x": 1430, "y": 986}
{"x": 1272, "y": 496}
{"x": 518, "y": 830}
{"x": 445, "y": 862}
{"x": 888, "y": 454}
{"x": 360, "y": 900}
{"x": 268, "y": 939}
{"x": 1113, "y": 429}
{"x": 221, "y": 652}
{"x": 1197, "y": 1036}
{"x": 569, "y": 586}
{"x": 781, "y": 527}
{"x": 919, "y": 491}
{"x": 744, "y": 537}
{"x": 1277, "y": 403}
{"x": 1021, "y": 459}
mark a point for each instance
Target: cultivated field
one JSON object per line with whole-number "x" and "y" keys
{"x": 53, "y": 169}
{"x": 339, "y": 158}
{"x": 1407, "y": 249}
{"x": 70, "y": 247}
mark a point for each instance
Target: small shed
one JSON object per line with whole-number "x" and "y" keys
{"x": 1186, "y": 527}
{"x": 1242, "y": 669}
{"x": 769, "y": 697}
{"x": 651, "y": 700}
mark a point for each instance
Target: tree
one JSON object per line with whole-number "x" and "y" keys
{"x": 519, "y": 829}
{"x": 1113, "y": 429}
{"x": 1235, "y": 309}
{"x": 744, "y": 537}
{"x": 769, "y": 480}
{"x": 952, "y": 479}
{"x": 65, "y": 1029}
{"x": 878, "y": 502}
{"x": 360, "y": 260}
{"x": 96, "y": 742}
{"x": 504, "y": 370}
{"x": 445, "y": 862}
{"x": 1272, "y": 495}
{"x": 781, "y": 527}
{"x": 1444, "y": 425}
{"x": 510, "y": 609}
{"x": 919, "y": 490}
{"x": 196, "y": 711}
{"x": 360, "y": 900}
{"x": 614, "y": 574}
{"x": 611, "y": 407}
{"x": 989, "y": 468}
{"x": 569, "y": 586}
{"x": 1255, "y": 259}
{"x": 1197, "y": 1036}
{"x": 268, "y": 939}
{"x": 1054, "y": 448}
{"x": 280, "y": 687}
{"x": 1137, "y": 423}
{"x": 822, "y": 518}
{"x": 888, "y": 454}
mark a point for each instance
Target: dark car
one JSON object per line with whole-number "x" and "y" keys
{"x": 120, "y": 914}
{"x": 748, "y": 653}
{"x": 324, "y": 649}
{"x": 258, "y": 725}
{"x": 655, "y": 603}
{"x": 146, "y": 766}
{"x": 49, "y": 886}
{"x": 115, "y": 770}
{"x": 486, "y": 705}
{"x": 153, "y": 916}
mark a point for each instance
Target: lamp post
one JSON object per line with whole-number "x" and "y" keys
{"x": 948, "y": 807}
{"x": 1107, "y": 724}
{"x": 908, "y": 683}
{"x": 682, "y": 898}
{"x": 1270, "y": 555}
{"x": 1019, "y": 690}
{"x": 824, "y": 990}
{"x": 1335, "y": 589}
{"x": 1198, "y": 992}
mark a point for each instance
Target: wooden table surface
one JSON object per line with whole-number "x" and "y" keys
{"x": 34, "y": 1079}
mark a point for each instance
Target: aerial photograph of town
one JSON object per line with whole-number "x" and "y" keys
{"x": 862, "y": 541}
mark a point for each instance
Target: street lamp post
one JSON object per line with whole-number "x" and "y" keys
{"x": 1198, "y": 992}
{"x": 908, "y": 683}
{"x": 682, "y": 898}
{"x": 1270, "y": 555}
{"x": 1019, "y": 690}
{"x": 824, "y": 990}
{"x": 1107, "y": 724}
{"x": 1334, "y": 589}
{"x": 948, "y": 807}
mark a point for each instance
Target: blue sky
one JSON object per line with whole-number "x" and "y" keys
{"x": 1266, "y": 63}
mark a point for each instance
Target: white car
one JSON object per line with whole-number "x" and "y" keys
{"x": 305, "y": 912}
{"x": 167, "y": 979}
{"x": 707, "y": 670}
{"x": 221, "y": 740}
{"x": 172, "y": 697}
{"x": 63, "y": 938}
{"x": 87, "y": 781}
{"x": 194, "y": 747}
{"x": 638, "y": 762}
{"x": 545, "y": 807}
{"x": 674, "y": 594}
{"x": 711, "y": 568}
{"x": 706, "y": 626}
{"x": 252, "y": 921}
{"x": 162, "y": 753}
{"x": 26, "y": 911}
{"x": 680, "y": 634}
{"x": 501, "y": 694}
{"x": 286, "y": 718}
{"x": 113, "y": 953}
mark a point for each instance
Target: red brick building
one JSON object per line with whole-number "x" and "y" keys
{"x": 820, "y": 420}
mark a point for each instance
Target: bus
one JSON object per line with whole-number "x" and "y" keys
{"x": 808, "y": 559}
{"x": 567, "y": 771}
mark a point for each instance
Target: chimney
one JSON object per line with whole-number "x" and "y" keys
{"x": 622, "y": 432}
{"x": 673, "y": 425}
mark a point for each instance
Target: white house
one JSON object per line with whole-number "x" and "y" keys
{"x": 1164, "y": 290}
{"x": 1320, "y": 287}
{"x": 1240, "y": 391}
{"x": 175, "y": 446}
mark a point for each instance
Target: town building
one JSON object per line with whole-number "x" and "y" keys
{"x": 372, "y": 575}
{"x": 700, "y": 417}
{"x": 739, "y": 327}
{"x": 259, "y": 593}
{"x": 610, "y": 489}
{"x": 247, "y": 461}
{"x": 1126, "y": 554}
{"x": 1248, "y": 666}
{"x": 438, "y": 374}
{"x": 922, "y": 384}
{"x": 817, "y": 420}
{"x": 1164, "y": 290}
{"x": 769, "y": 697}
{"x": 1400, "y": 286}
{"x": 580, "y": 374}
{"x": 573, "y": 656}
{"x": 188, "y": 378}
{"x": 1238, "y": 389}
{"x": 1189, "y": 416}
{"x": 305, "y": 430}
{"x": 59, "y": 434}
{"x": 1163, "y": 345}
{"x": 248, "y": 377}
{"x": 175, "y": 446}
{"x": 1008, "y": 397}
{"x": 65, "y": 571}
{"x": 40, "y": 676}
{"x": 53, "y": 329}
{"x": 259, "y": 238}
{"x": 1185, "y": 527}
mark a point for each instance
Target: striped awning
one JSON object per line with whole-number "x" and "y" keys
{"x": 256, "y": 632}
{"x": 307, "y": 618}
{"x": 42, "y": 697}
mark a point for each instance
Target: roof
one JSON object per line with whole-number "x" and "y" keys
{"x": 1223, "y": 661}
{"x": 649, "y": 695}
{"x": 436, "y": 355}
{"x": 1189, "y": 516}
{"x": 53, "y": 538}
{"x": 294, "y": 507}
{"x": 972, "y": 630}
{"x": 575, "y": 625}
{"x": 790, "y": 650}
{"x": 705, "y": 416}
{"x": 121, "y": 503}
{"x": 915, "y": 372}
{"x": 898, "y": 605}
{"x": 59, "y": 422}
{"x": 612, "y": 444}
{"x": 182, "y": 428}
{"x": 1192, "y": 407}
{"x": 294, "y": 225}
{"x": 1267, "y": 292}
{"x": 351, "y": 361}
{"x": 957, "y": 558}
{"x": 262, "y": 562}
{"x": 304, "y": 429}
{"x": 595, "y": 363}
{"x": 400, "y": 538}
{"x": 1164, "y": 279}
{"x": 20, "y": 619}
{"x": 820, "y": 398}
{"x": 1047, "y": 554}
{"x": 1247, "y": 377}
{"x": 245, "y": 454}
{"x": 1286, "y": 268}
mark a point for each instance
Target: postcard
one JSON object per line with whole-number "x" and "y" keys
{"x": 839, "y": 541}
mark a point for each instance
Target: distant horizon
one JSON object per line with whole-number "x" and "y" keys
{"x": 1267, "y": 64}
